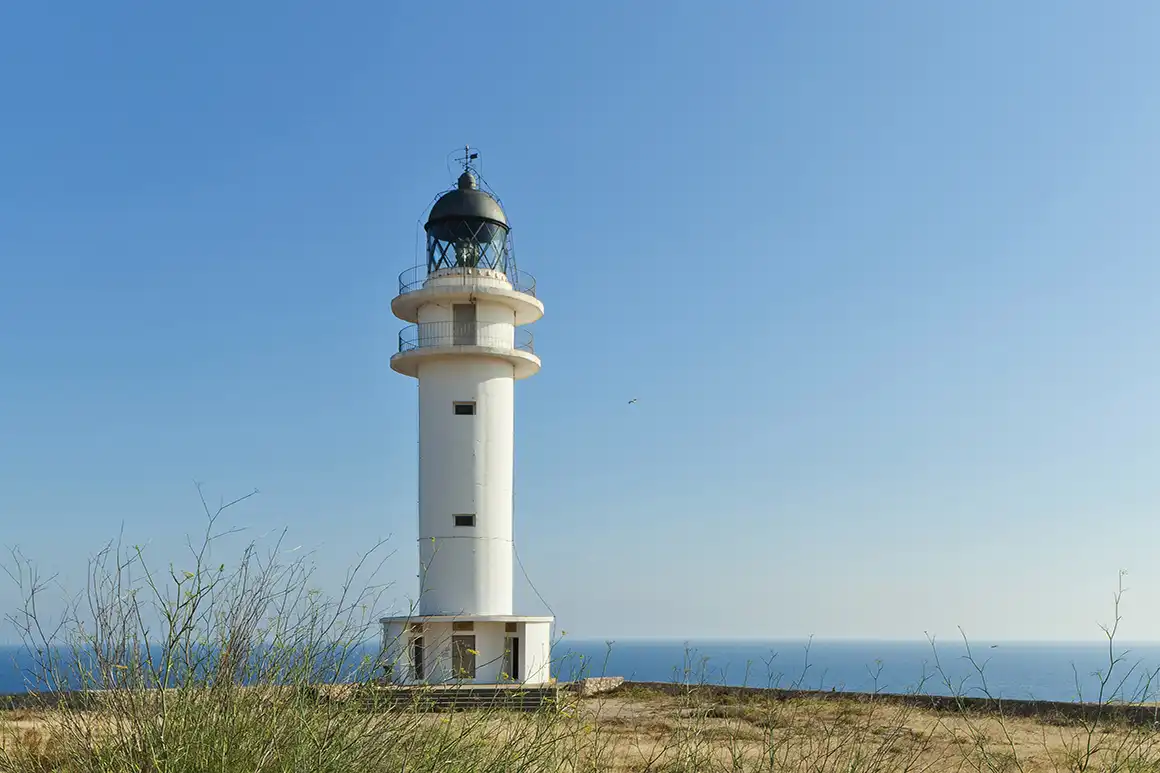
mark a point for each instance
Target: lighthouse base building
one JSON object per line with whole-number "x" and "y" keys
{"x": 466, "y": 346}
{"x": 438, "y": 649}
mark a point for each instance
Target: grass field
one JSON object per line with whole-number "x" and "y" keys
{"x": 631, "y": 729}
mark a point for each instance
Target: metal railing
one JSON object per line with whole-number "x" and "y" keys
{"x": 414, "y": 278}
{"x": 491, "y": 334}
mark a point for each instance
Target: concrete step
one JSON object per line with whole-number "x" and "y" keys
{"x": 462, "y": 697}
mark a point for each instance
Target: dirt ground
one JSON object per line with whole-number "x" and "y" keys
{"x": 649, "y": 732}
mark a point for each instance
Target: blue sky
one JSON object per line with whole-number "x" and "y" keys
{"x": 881, "y": 276}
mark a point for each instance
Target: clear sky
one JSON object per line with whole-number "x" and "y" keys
{"x": 882, "y": 277}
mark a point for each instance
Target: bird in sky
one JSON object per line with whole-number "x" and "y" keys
{"x": 633, "y": 400}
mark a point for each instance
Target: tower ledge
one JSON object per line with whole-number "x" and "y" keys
{"x": 462, "y": 285}
{"x": 429, "y": 341}
{"x": 468, "y": 618}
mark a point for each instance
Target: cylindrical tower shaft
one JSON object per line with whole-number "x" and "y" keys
{"x": 466, "y": 426}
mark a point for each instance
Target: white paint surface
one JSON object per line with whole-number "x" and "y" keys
{"x": 536, "y": 641}
{"x": 466, "y": 468}
{"x": 491, "y": 641}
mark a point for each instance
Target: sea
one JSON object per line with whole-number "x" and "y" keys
{"x": 1057, "y": 671}
{"x": 1036, "y": 671}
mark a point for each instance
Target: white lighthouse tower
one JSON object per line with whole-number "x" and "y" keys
{"x": 467, "y": 348}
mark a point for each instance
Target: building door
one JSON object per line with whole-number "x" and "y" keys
{"x": 463, "y": 324}
{"x": 511, "y": 658}
{"x": 463, "y": 656}
{"x": 417, "y": 656}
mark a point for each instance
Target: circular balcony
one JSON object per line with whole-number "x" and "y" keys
{"x": 461, "y": 284}
{"x": 415, "y": 277}
{"x": 428, "y": 341}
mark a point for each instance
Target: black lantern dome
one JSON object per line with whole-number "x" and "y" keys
{"x": 466, "y": 201}
{"x": 467, "y": 228}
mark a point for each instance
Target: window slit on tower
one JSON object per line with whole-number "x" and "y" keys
{"x": 465, "y": 408}
{"x": 465, "y": 519}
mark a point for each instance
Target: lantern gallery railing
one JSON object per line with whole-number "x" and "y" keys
{"x": 415, "y": 278}
{"x": 492, "y": 335}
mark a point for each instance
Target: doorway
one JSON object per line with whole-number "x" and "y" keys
{"x": 463, "y": 324}
{"x": 463, "y": 656}
{"x": 417, "y": 657}
{"x": 511, "y": 658}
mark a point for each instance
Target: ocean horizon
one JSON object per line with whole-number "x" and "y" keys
{"x": 1055, "y": 671}
{"x": 1043, "y": 670}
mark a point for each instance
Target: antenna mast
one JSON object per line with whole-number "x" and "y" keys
{"x": 467, "y": 158}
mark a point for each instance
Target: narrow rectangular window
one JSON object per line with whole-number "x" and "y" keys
{"x": 463, "y": 656}
{"x": 417, "y": 656}
{"x": 465, "y": 519}
{"x": 510, "y": 627}
{"x": 465, "y": 409}
{"x": 463, "y": 626}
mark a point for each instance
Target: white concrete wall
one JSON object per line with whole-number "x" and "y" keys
{"x": 536, "y": 641}
{"x": 490, "y": 643}
{"x": 466, "y": 466}
{"x": 458, "y": 277}
{"x": 496, "y": 324}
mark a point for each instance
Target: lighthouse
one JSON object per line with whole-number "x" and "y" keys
{"x": 467, "y": 345}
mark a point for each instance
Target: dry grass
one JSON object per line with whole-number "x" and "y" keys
{"x": 656, "y": 732}
{"x": 648, "y": 731}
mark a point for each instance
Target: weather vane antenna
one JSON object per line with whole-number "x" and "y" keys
{"x": 467, "y": 158}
